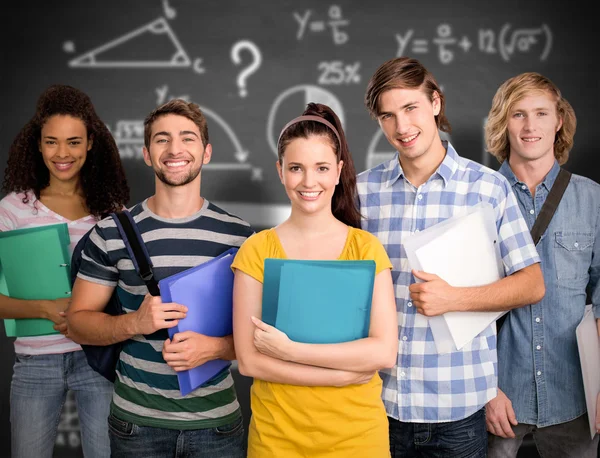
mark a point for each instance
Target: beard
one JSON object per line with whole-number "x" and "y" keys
{"x": 180, "y": 180}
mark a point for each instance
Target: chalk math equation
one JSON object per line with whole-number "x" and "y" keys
{"x": 507, "y": 43}
{"x": 308, "y": 23}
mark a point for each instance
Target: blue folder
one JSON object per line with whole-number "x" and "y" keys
{"x": 318, "y": 301}
{"x": 207, "y": 291}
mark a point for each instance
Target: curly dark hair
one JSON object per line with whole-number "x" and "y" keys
{"x": 102, "y": 176}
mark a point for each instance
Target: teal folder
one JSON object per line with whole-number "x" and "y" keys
{"x": 34, "y": 264}
{"x": 318, "y": 301}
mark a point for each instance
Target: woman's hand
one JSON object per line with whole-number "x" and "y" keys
{"x": 55, "y": 311}
{"x": 270, "y": 341}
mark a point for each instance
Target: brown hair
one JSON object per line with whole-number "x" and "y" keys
{"x": 405, "y": 73}
{"x": 343, "y": 203}
{"x": 507, "y": 95}
{"x": 177, "y": 107}
{"x": 102, "y": 176}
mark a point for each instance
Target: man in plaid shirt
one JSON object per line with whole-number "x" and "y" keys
{"x": 435, "y": 402}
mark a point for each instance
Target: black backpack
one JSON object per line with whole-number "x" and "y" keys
{"x": 104, "y": 358}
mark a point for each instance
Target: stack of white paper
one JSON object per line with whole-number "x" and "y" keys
{"x": 589, "y": 356}
{"x": 463, "y": 251}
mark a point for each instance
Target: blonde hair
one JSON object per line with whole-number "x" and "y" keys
{"x": 507, "y": 95}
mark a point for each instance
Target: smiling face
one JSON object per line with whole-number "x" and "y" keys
{"x": 309, "y": 172}
{"x": 176, "y": 152}
{"x": 407, "y": 119}
{"x": 532, "y": 125}
{"x": 64, "y": 145}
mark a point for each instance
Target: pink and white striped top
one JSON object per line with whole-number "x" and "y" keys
{"x": 14, "y": 214}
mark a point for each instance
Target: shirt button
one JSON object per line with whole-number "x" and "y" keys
{"x": 532, "y": 211}
{"x": 404, "y": 338}
{"x": 539, "y": 372}
{"x": 576, "y": 244}
{"x": 537, "y": 320}
{"x": 538, "y": 347}
{"x": 523, "y": 187}
{"x": 409, "y": 304}
{"x": 420, "y": 196}
{"x": 402, "y": 374}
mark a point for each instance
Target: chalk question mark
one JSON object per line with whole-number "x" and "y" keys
{"x": 256, "y": 61}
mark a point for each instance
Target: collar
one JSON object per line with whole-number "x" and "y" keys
{"x": 393, "y": 170}
{"x": 548, "y": 181}
{"x": 551, "y": 176}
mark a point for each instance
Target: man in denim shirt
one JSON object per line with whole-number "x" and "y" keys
{"x": 530, "y": 131}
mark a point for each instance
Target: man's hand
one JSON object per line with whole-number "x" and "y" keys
{"x": 154, "y": 315}
{"x": 434, "y": 296}
{"x": 499, "y": 415}
{"x": 188, "y": 349}
{"x": 270, "y": 341}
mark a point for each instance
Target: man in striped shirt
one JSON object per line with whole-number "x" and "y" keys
{"x": 149, "y": 417}
{"x": 435, "y": 401}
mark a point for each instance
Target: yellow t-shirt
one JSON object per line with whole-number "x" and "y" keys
{"x": 299, "y": 421}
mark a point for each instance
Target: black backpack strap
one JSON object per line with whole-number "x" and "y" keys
{"x": 550, "y": 205}
{"x": 543, "y": 220}
{"x": 137, "y": 249}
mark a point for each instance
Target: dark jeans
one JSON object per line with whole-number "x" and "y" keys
{"x": 128, "y": 440}
{"x": 565, "y": 440}
{"x": 465, "y": 438}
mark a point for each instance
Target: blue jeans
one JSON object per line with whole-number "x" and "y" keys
{"x": 465, "y": 438}
{"x": 128, "y": 440}
{"x": 37, "y": 395}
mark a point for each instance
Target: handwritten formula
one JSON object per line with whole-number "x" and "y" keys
{"x": 507, "y": 43}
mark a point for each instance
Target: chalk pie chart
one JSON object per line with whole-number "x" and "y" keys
{"x": 291, "y": 103}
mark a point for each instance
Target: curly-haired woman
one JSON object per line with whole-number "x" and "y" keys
{"x": 63, "y": 167}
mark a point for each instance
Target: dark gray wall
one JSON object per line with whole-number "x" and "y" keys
{"x": 130, "y": 56}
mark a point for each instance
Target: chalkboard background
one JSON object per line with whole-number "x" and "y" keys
{"x": 253, "y": 66}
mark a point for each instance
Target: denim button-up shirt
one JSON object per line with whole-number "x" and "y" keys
{"x": 538, "y": 360}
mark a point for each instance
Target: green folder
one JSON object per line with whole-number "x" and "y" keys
{"x": 318, "y": 301}
{"x": 34, "y": 264}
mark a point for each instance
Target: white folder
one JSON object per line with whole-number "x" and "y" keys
{"x": 589, "y": 356}
{"x": 464, "y": 251}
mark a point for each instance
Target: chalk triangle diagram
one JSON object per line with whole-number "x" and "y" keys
{"x": 159, "y": 27}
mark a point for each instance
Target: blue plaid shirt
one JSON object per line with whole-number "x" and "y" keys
{"x": 424, "y": 386}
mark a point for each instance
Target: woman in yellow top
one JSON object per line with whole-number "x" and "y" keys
{"x": 315, "y": 400}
